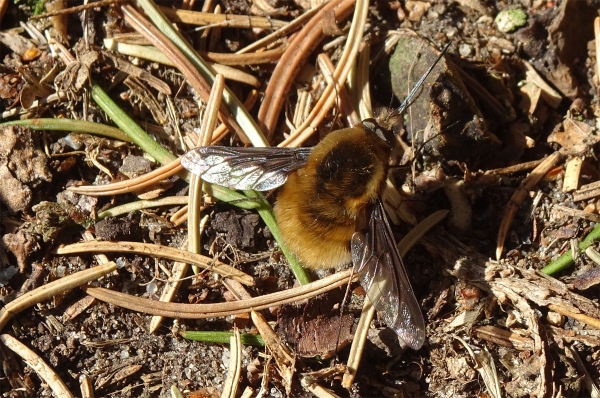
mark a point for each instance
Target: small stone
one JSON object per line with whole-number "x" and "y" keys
{"x": 465, "y": 50}
{"x": 555, "y": 318}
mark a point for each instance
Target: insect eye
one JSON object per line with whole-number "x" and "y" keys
{"x": 385, "y": 134}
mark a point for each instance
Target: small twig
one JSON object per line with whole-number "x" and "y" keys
{"x": 176, "y": 392}
{"x": 587, "y": 191}
{"x": 180, "y": 216}
{"x": 225, "y": 20}
{"x": 317, "y": 390}
{"x": 461, "y": 211}
{"x": 517, "y": 168}
{"x": 594, "y": 256}
{"x": 572, "y": 171}
{"x": 503, "y": 337}
{"x": 86, "y": 386}
{"x": 588, "y": 320}
{"x": 577, "y": 213}
{"x": 75, "y": 9}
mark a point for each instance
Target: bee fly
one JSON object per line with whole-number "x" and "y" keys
{"x": 329, "y": 209}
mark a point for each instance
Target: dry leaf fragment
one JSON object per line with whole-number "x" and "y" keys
{"x": 330, "y": 27}
{"x": 76, "y": 73}
{"x": 547, "y": 93}
{"x": 575, "y": 139}
{"x": 33, "y": 89}
{"x": 59, "y": 22}
{"x": 530, "y": 96}
{"x": 587, "y": 279}
{"x": 15, "y": 42}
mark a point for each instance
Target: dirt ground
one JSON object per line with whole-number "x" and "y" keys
{"x": 503, "y": 135}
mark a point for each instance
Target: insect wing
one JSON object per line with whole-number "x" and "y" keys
{"x": 382, "y": 275}
{"x": 261, "y": 169}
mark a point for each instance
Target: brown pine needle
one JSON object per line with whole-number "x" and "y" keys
{"x": 131, "y": 185}
{"x": 196, "y": 311}
{"x": 158, "y": 251}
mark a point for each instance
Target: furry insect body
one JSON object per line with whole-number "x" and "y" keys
{"x": 317, "y": 207}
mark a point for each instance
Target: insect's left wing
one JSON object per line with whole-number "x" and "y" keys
{"x": 382, "y": 275}
{"x": 261, "y": 169}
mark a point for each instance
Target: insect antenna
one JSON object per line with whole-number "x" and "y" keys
{"x": 409, "y": 98}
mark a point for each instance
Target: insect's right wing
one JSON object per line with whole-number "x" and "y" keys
{"x": 261, "y": 169}
{"x": 382, "y": 275}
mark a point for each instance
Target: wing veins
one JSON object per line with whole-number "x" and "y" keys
{"x": 262, "y": 169}
{"x": 382, "y": 275}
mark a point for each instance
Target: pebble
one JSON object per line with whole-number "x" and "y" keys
{"x": 465, "y": 50}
